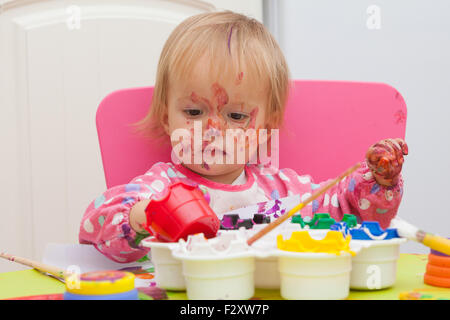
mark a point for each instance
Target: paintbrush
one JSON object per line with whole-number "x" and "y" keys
{"x": 314, "y": 196}
{"x": 43, "y": 268}
{"x": 407, "y": 230}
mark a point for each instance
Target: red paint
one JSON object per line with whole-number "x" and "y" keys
{"x": 220, "y": 94}
{"x": 400, "y": 117}
{"x": 196, "y": 99}
{"x": 385, "y": 159}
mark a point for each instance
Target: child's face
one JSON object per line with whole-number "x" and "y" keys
{"x": 216, "y": 104}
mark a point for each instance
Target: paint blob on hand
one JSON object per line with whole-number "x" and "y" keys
{"x": 385, "y": 159}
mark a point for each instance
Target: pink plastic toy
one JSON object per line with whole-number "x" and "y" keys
{"x": 329, "y": 125}
{"x": 181, "y": 212}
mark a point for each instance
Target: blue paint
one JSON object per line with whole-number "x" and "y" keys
{"x": 351, "y": 185}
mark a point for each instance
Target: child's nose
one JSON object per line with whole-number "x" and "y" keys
{"x": 213, "y": 124}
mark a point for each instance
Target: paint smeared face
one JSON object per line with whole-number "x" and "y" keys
{"x": 233, "y": 101}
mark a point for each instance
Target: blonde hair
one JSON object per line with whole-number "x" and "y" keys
{"x": 226, "y": 37}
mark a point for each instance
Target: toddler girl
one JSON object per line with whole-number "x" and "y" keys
{"x": 218, "y": 72}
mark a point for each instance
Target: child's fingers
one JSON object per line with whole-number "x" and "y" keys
{"x": 403, "y": 145}
{"x": 383, "y": 165}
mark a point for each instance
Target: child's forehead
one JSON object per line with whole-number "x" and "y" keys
{"x": 205, "y": 79}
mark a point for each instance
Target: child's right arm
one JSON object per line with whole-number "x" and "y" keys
{"x": 113, "y": 222}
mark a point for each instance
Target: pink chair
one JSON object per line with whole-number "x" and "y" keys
{"x": 328, "y": 127}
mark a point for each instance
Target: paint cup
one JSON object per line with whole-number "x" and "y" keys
{"x": 314, "y": 276}
{"x": 267, "y": 275}
{"x": 217, "y": 270}
{"x": 168, "y": 270}
{"x": 375, "y": 266}
{"x": 229, "y": 278}
{"x": 315, "y": 265}
{"x": 182, "y": 211}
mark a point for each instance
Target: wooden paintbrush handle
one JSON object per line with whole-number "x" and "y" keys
{"x": 60, "y": 273}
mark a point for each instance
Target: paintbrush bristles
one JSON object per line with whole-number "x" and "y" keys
{"x": 284, "y": 217}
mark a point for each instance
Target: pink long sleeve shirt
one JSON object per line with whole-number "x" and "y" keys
{"x": 105, "y": 223}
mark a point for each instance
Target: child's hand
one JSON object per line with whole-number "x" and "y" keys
{"x": 385, "y": 159}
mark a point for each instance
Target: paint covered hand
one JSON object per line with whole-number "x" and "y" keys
{"x": 385, "y": 159}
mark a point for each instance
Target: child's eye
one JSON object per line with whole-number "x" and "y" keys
{"x": 238, "y": 116}
{"x": 193, "y": 112}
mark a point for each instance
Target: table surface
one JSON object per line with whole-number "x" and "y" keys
{"x": 410, "y": 270}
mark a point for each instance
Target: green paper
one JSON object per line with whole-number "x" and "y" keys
{"x": 410, "y": 270}
{"x": 28, "y": 283}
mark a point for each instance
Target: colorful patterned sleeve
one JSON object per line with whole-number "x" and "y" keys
{"x": 105, "y": 223}
{"x": 358, "y": 194}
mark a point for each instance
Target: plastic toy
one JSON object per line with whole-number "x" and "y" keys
{"x": 371, "y": 230}
{"x": 350, "y": 220}
{"x": 342, "y": 227}
{"x": 323, "y": 221}
{"x": 298, "y": 219}
{"x": 182, "y": 211}
{"x": 319, "y": 221}
{"x": 438, "y": 270}
{"x": 233, "y": 221}
{"x": 101, "y": 285}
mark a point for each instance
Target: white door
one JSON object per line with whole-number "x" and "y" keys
{"x": 58, "y": 59}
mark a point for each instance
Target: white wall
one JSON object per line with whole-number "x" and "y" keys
{"x": 56, "y": 64}
{"x": 329, "y": 39}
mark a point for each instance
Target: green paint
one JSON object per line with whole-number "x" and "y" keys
{"x": 298, "y": 219}
{"x": 140, "y": 237}
{"x": 143, "y": 259}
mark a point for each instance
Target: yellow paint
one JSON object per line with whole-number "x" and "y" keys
{"x": 300, "y": 241}
{"x": 101, "y": 283}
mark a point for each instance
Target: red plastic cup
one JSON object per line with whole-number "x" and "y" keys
{"x": 181, "y": 212}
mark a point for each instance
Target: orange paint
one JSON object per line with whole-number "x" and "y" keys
{"x": 439, "y": 261}
{"x": 145, "y": 276}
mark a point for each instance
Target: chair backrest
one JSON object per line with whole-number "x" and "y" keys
{"x": 328, "y": 127}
